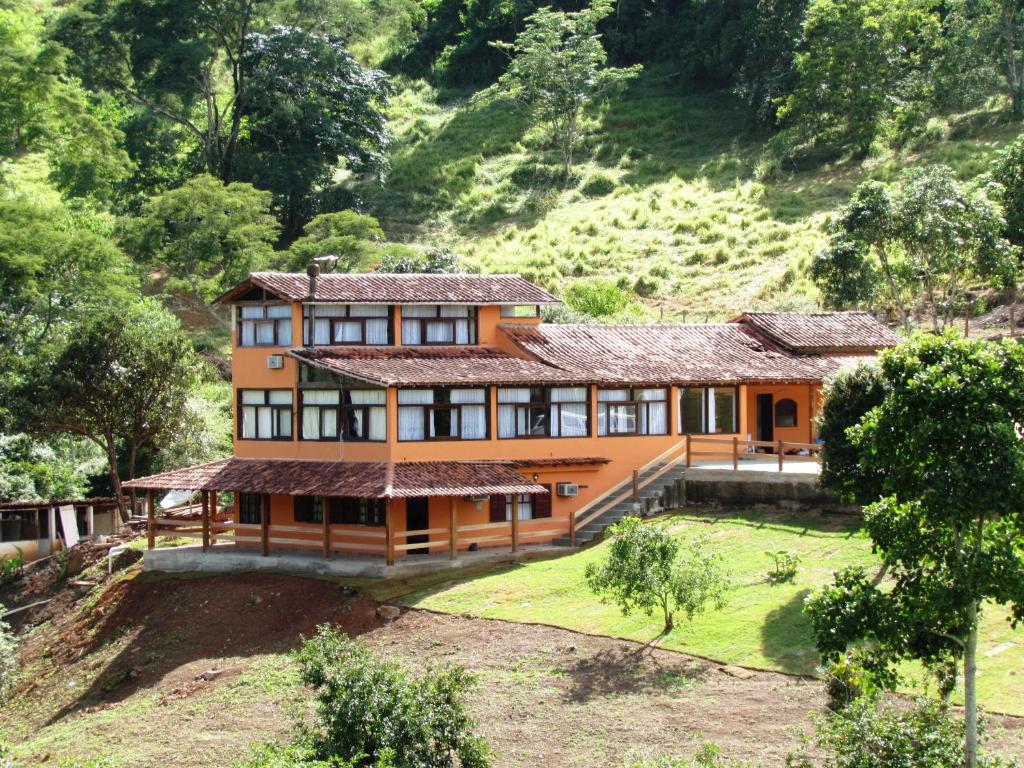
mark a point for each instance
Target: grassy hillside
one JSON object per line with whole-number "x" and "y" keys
{"x": 673, "y": 197}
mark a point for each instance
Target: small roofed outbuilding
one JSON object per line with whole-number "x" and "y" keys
{"x": 820, "y": 333}
{"x": 382, "y": 288}
{"x": 355, "y": 479}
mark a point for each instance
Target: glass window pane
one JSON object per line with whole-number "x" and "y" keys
{"x": 691, "y": 411}
{"x": 253, "y": 396}
{"x": 265, "y": 332}
{"x": 284, "y": 333}
{"x": 621, "y": 419}
{"x": 279, "y": 310}
{"x": 248, "y": 423}
{"x": 725, "y": 410}
{"x": 378, "y": 424}
{"x": 349, "y": 332}
{"x": 264, "y": 417}
{"x": 368, "y": 396}
{"x": 284, "y": 423}
{"x": 410, "y": 423}
{"x": 251, "y": 311}
{"x": 280, "y": 396}
{"x": 248, "y": 333}
{"x": 440, "y": 332}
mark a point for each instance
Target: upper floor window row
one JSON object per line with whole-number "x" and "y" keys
{"x": 355, "y": 324}
{"x": 265, "y": 325}
{"x": 632, "y": 411}
{"x": 438, "y": 324}
{"x": 442, "y": 414}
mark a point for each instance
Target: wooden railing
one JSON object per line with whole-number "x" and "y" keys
{"x": 737, "y": 448}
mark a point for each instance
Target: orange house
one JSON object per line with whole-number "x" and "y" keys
{"x": 395, "y": 415}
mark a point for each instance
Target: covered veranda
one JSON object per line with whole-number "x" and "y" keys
{"x": 262, "y": 519}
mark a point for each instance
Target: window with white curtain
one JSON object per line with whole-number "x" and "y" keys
{"x": 708, "y": 410}
{"x": 442, "y": 414}
{"x": 424, "y": 324}
{"x": 265, "y": 414}
{"x": 264, "y": 325}
{"x": 543, "y": 412}
{"x": 319, "y": 413}
{"x": 345, "y": 324}
{"x": 632, "y": 411}
{"x": 364, "y": 414}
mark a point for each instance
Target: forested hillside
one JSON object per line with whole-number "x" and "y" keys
{"x": 646, "y": 160}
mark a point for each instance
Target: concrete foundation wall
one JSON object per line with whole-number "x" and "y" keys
{"x": 724, "y": 487}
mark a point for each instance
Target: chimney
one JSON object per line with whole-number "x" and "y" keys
{"x": 313, "y": 270}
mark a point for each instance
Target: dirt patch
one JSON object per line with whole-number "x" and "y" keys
{"x": 544, "y": 696}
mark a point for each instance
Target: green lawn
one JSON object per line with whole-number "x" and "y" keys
{"x": 762, "y": 626}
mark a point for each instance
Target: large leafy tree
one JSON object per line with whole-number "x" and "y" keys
{"x": 309, "y": 107}
{"x": 57, "y": 265}
{"x": 558, "y": 67}
{"x": 280, "y": 106}
{"x": 207, "y": 235}
{"x": 354, "y": 241}
{"x": 945, "y": 443}
{"x": 122, "y": 381}
{"x": 42, "y": 109}
{"x": 988, "y": 36}
{"x": 863, "y": 64}
{"x": 916, "y": 245}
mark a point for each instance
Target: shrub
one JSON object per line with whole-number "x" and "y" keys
{"x": 8, "y": 659}
{"x": 597, "y": 298}
{"x": 865, "y": 735}
{"x": 370, "y": 709}
{"x": 273, "y": 755}
{"x": 598, "y": 184}
{"x": 786, "y": 562}
{"x": 12, "y": 566}
{"x": 845, "y": 681}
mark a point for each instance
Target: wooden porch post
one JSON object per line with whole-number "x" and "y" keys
{"x": 636, "y": 485}
{"x": 389, "y": 533}
{"x": 735, "y": 453}
{"x": 265, "y": 524}
{"x": 326, "y": 514}
{"x": 689, "y": 455}
{"x": 213, "y": 513}
{"x": 51, "y": 527}
{"x": 515, "y": 522}
{"x": 453, "y": 530}
{"x": 150, "y": 518}
{"x": 206, "y": 520}
{"x": 780, "y": 455}
{"x": 572, "y": 528}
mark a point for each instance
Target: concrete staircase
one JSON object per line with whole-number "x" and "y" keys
{"x": 619, "y": 502}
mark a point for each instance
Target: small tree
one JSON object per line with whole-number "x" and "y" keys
{"x": 354, "y": 239}
{"x": 371, "y": 710}
{"x": 558, "y": 68}
{"x": 923, "y": 241}
{"x": 434, "y": 261}
{"x": 8, "y": 658}
{"x": 648, "y": 568}
{"x": 946, "y": 443}
{"x": 122, "y": 382}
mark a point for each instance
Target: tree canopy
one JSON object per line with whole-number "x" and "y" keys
{"x": 946, "y": 446}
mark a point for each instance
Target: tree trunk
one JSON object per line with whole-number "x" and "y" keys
{"x": 115, "y": 477}
{"x": 970, "y": 690}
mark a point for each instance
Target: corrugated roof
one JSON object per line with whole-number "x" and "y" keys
{"x": 362, "y": 479}
{"x": 664, "y": 354}
{"x": 821, "y": 332}
{"x": 440, "y": 366}
{"x": 381, "y": 288}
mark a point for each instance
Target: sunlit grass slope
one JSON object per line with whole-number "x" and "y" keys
{"x": 762, "y": 625}
{"x": 672, "y": 196}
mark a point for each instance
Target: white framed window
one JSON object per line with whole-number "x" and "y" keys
{"x": 442, "y": 414}
{"x": 265, "y": 414}
{"x": 632, "y": 411}
{"x": 346, "y": 324}
{"x": 264, "y": 325}
{"x": 426, "y": 324}
{"x": 708, "y": 410}
{"x": 543, "y": 412}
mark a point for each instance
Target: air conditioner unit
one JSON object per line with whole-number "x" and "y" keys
{"x": 275, "y": 361}
{"x": 567, "y": 489}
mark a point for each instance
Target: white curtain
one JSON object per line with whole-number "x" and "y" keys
{"x": 248, "y": 422}
{"x": 608, "y": 396}
{"x": 711, "y": 415}
{"x": 410, "y": 419}
{"x": 368, "y": 310}
{"x": 377, "y": 428}
{"x": 264, "y": 423}
{"x": 411, "y": 331}
{"x": 507, "y": 413}
{"x": 265, "y": 332}
{"x": 370, "y": 396}
{"x": 310, "y": 423}
{"x": 439, "y": 332}
{"x": 474, "y": 417}
{"x": 312, "y": 399}
{"x": 378, "y": 424}
{"x": 572, "y": 421}
{"x": 654, "y": 417}
{"x": 348, "y": 332}
{"x": 376, "y": 331}
{"x": 248, "y": 334}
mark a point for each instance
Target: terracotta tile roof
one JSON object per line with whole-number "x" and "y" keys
{"x": 363, "y": 479}
{"x": 379, "y": 288}
{"x": 821, "y": 332}
{"x": 663, "y": 354}
{"x": 441, "y": 366}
